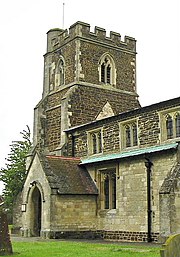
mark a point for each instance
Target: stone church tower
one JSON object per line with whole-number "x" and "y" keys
{"x": 87, "y": 76}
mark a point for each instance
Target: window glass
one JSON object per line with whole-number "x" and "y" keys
{"x": 169, "y": 127}
{"x": 95, "y": 142}
{"x": 177, "y": 121}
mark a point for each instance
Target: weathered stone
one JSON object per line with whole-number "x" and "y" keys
{"x": 5, "y": 243}
{"x": 172, "y": 247}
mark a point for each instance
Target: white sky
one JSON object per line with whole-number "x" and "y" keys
{"x": 23, "y": 25}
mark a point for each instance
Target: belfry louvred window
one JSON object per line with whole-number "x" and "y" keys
{"x": 107, "y": 70}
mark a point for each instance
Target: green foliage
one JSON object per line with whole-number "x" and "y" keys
{"x": 14, "y": 174}
{"x": 81, "y": 249}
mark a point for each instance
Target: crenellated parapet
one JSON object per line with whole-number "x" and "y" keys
{"x": 58, "y": 37}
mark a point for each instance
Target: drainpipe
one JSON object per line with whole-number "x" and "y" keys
{"x": 148, "y": 165}
{"x": 73, "y": 145}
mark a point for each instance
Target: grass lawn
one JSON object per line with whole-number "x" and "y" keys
{"x": 80, "y": 249}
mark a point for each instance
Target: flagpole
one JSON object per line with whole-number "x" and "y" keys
{"x": 63, "y": 15}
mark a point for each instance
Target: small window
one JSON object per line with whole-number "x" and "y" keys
{"x": 134, "y": 136}
{"x": 129, "y": 135}
{"x": 169, "y": 127}
{"x": 95, "y": 142}
{"x": 109, "y": 74}
{"x": 170, "y": 124}
{"x": 107, "y": 70}
{"x": 177, "y": 125}
{"x": 60, "y": 74}
{"x": 109, "y": 185}
{"x": 103, "y": 73}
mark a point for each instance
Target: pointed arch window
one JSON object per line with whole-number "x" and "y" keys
{"x": 129, "y": 134}
{"x": 109, "y": 186}
{"x": 169, "y": 127}
{"x": 170, "y": 124}
{"x": 95, "y": 142}
{"x": 107, "y": 70}
{"x": 177, "y": 125}
{"x": 134, "y": 135}
{"x": 60, "y": 73}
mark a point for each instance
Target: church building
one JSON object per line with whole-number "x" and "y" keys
{"x": 101, "y": 165}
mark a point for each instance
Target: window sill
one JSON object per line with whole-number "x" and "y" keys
{"x": 107, "y": 212}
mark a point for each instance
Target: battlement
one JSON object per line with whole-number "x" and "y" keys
{"x": 58, "y": 37}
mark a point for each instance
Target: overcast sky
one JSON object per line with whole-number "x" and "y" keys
{"x": 23, "y": 25}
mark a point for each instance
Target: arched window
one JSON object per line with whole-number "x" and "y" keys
{"x": 169, "y": 127}
{"x": 60, "y": 73}
{"x": 107, "y": 71}
{"x": 110, "y": 190}
{"x": 177, "y": 125}
{"x": 94, "y": 143}
{"x": 106, "y": 192}
{"x": 134, "y": 132}
{"x": 128, "y": 136}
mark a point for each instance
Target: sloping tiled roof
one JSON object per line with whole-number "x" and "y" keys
{"x": 65, "y": 175}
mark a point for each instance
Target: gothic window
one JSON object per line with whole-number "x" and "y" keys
{"x": 109, "y": 74}
{"x": 134, "y": 135}
{"x": 107, "y": 70}
{"x": 60, "y": 73}
{"x": 129, "y": 135}
{"x": 102, "y": 72}
{"x": 169, "y": 127}
{"x": 95, "y": 142}
{"x": 106, "y": 192}
{"x": 170, "y": 124}
{"x": 177, "y": 125}
{"x": 109, "y": 189}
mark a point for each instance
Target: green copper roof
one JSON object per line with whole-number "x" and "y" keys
{"x": 131, "y": 153}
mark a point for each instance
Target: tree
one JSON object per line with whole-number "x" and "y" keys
{"x": 14, "y": 174}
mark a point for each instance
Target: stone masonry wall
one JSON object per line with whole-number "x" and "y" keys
{"x": 149, "y": 128}
{"x": 53, "y": 120}
{"x": 129, "y": 220}
{"x": 87, "y": 102}
{"x": 148, "y": 131}
{"x": 73, "y": 212}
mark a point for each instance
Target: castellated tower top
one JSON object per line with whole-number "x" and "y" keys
{"x": 58, "y": 37}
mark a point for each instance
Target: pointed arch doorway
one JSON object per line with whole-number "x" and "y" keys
{"x": 36, "y": 212}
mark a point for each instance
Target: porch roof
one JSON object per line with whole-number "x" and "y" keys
{"x": 65, "y": 175}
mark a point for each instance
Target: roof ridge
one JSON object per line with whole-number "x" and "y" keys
{"x": 63, "y": 157}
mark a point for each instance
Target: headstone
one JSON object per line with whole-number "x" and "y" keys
{"x": 171, "y": 248}
{"x": 5, "y": 243}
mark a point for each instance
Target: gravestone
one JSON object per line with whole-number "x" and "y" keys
{"x": 5, "y": 243}
{"x": 171, "y": 248}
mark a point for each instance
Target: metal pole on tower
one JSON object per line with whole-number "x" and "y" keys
{"x": 63, "y": 14}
